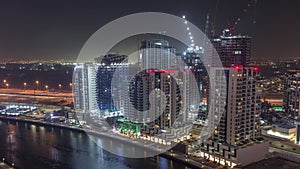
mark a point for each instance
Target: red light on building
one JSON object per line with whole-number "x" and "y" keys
{"x": 237, "y": 67}
{"x": 187, "y": 70}
{"x": 150, "y": 71}
{"x": 165, "y": 71}
{"x": 255, "y": 69}
{"x": 160, "y": 71}
{"x": 170, "y": 71}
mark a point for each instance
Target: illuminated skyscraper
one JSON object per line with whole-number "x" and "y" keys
{"x": 291, "y": 93}
{"x": 192, "y": 59}
{"x": 161, "y": 109}
{"x": 84, "y": 89}
{"x": 106, "y": 71}
{"x": 92, "y": 84}
{"x": 110, "y": 59}
{"x": 232, "y": 50}
{"x": 236, "y": 100}
{"x": 156, "y": 54}
{"x": 155, "y": 80}
{"x": 239, "y": 122}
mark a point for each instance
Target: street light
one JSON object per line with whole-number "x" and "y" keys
{"x": 37, "y": 84}
{"x": 59, "y": 85}
{"x": 70, "y": 84}
{"x": 4, "y": 82}
{"x": 7, "y": 85}
{"x": 46, "y": 87}
{"x": 25, "y": 84}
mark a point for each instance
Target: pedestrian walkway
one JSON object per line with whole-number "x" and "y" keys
{"x": 192, "y": 162}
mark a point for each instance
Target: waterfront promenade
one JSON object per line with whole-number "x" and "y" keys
{"x": 187, "y": 160}
{"x": 192, "y": 162}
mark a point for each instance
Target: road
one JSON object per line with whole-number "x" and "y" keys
{"x": 36, "y": 92}
{"x": 18, "y": 95}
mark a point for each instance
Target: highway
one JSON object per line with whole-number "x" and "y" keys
{"x": 36, "y": 92}
{"x": 42, "y": 96}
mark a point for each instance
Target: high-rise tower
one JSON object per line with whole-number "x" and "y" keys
{"x": 106, "y": 72}
{"x": 291, "y": 93}
{"x": 236, "y": 101}
{"x": 233, "y": 50}
{"x": 84, "y": 89}
{"x": 156, "y": 54}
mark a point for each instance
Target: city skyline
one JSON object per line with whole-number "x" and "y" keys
{"x": 154, "y": 84}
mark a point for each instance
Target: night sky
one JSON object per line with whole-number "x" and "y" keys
{"x": 41, "y": 29}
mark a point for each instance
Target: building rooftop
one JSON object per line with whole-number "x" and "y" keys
{"x": 293, "y": 70}
{"x": 286, "y": 126}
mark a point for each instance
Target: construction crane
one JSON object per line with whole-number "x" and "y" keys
{"x": 213, "y": 23}
{"x": 206, "y": 29}
{"x": 232, "y": 26}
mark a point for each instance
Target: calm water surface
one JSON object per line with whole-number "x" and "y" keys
{"x": 37, "y": 147}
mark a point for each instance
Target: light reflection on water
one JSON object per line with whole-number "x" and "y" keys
{"x": 32, "y": 146}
